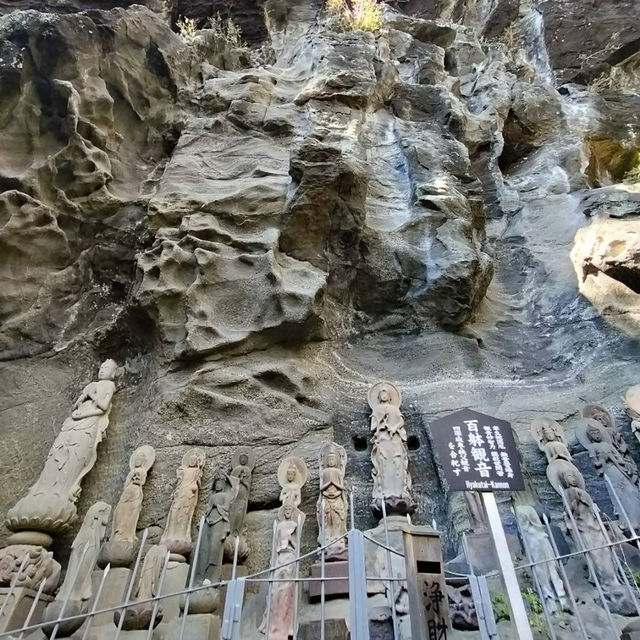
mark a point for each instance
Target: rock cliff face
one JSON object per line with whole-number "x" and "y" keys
{"x": 257, "y": 235}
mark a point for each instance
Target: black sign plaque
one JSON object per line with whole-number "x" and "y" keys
{"x": 477, "y": 452}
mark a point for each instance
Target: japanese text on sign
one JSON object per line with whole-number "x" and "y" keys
{"x": 477, "y": 452}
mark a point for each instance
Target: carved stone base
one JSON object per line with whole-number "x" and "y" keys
{"x": 16, "y": 610}
{"x": 117, "y": 553}
{"x": 72, "y": 608}
{"x": 174, "y": 580}
{"x": 113, "y": 592}
{"x": 394, "y": 505}
{"x": 51, "y": 514}
{"x": 197, "y": 627}
{"x": 32, "y": 538}
{"x": 332, "y": 588}
{"x": 138, "y": 617}
{"x": 333, "y": 630}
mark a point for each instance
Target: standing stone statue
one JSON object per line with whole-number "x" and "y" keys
{"x": 121, "y": 546}
{"x": 609, "y": 462}
{"x": 50, "y": 505}
{"x": 475, "y": 511}
{"x": 138, "y": 616}
{"x": 242, "y": 465}
{"x": 292, "y": 475}
{"x": 540, "y": 550}
{"x": 177, "y": 531}
{"x": 604, "y": 417}
{"x": 632, "y": 405}
{"x": 223, "y": 493}
{"x": 281, "y": 606}
{"x": 569, "y": 483}
{"x": 550, "y": 439}
{"x": 333, "y": 462}
{"x": 76, "y": 589}
{"x": 391, "y": 477}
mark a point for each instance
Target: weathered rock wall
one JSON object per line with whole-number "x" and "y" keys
{"x": 257, "y": 243}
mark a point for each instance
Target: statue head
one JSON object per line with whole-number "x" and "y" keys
{"x": 244, "y": 459}
{"x": 593, "y": 433}
{"x": 291, "y": 472}
{"x": 287, "y": 509}
{"x": 138, "y": 476}
{"x": 107, "y": 370}
{"x": 548, "y": 433}
{"x": 219, "y": 484}
{"x": 383, "y": 396}
{"x": 332, "y": 459}
{"x": 571, "y": 478}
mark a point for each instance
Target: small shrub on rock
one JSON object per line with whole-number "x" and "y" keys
{"x": 356, "y": 15}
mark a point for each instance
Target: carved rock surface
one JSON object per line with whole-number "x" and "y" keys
{"x": 259, "y": 235}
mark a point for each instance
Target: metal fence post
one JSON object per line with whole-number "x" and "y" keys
{"x": 232, "y": 609}
{"x": 358, "y": 608}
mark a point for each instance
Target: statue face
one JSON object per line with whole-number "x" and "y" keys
{"x": 244, "y": 460}
{"x": 547, "y": 433}
{"x": 594, "y": 434}
{"x": 291, "y": 474}
{"x": 136, "y": 477}
{"x": 107, "y": 370}
{"x": 219, "y": 484}
{"x": 193, "y": 460}
{"x": 332, "y": 460}
{"x": 383, "y": 396}
{"x": 288, "y": 510}
{"x": 571, "y": 479}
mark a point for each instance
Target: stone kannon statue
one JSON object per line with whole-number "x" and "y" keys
{"x": 76, "y": 589}
{"x": 177, "y": 531}
{"x": 120, "y": 549}
{"x": 632, "y": 405}
{"x": 540, "y": 550}
{"x": 223, "y": 524}
{"x": 281, "y": 606}
{"x": 391, "y": 477}
{"x": 475, "y": 511}
{"x": 623, "y": 478}
{"x": 604, "y": 417}
{"x": 548, "y": 434}
{"x": 292, "y": 475}
{"x": 242, "y": 465}
{"x": 569, "y": 483}
{"x": 138, "y": 616}
{"x": 333, "y": 462}
{"x": 50, "y": 505}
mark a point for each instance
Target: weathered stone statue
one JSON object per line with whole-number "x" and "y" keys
{"x": 40, "y": 566}
{"x": 120, "y": 549}
{"x": 177, "y": 531}
{"x": 217, "y": 528}
{"x": 632, "y": 405}
{"x": 281, "y": 606}
{"x": 139, "y": 616}
{"x": 76, "y": 589}
{"x": 391, "y": 477}
{"x": 333, "y": 462}
{"x": 609, "y": 462}
{"x": 540, "y": 549}
{"x": 604, "y": 417}
{"x": 292, "y": 475}
{"x": 50, "y": 504}
{"x": 242, "y": 464}
{"x": 475, "y": 511}
{"x": 548, "y": 434}
{"x": 569, "y": 483}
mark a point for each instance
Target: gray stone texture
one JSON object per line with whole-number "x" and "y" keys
{"x": 257, "y": 243}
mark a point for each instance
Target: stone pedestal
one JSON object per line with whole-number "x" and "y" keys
{"x": 174, "y": 580}
{"x": 332, "y": 588}
{"x": 17, "y": 608}
{"x": 202, "y": 626}
{"x": 113, "y": 592}
{"x": 333, "y": 630}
